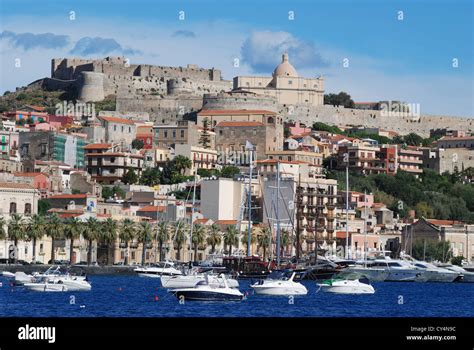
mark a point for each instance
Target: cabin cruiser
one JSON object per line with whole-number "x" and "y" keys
{"x": 204, "y": 291}
{"x": 55, "y": 280}
{"x": 432, "y": 273}
{"x": 399, "y": 270}
{"x": 347, "y": 285}
{"x": 158, "y": 270}
{"x": 195, "y": 276}
{"x": 465, "y": 276}
{"x": 280, "y": 283}
{"x": 370, "y": 270}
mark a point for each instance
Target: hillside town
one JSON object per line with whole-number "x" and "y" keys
{"x": 211, "y": 169}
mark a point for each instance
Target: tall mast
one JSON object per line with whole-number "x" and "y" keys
{"x": 298, "y": 218}
{"x": 365, "y": 228}
{"x": 347, "y": 210}
{"x": 249, "y": 200}
{"x": 192, "y": 217}
{"x": 278, "y": 215}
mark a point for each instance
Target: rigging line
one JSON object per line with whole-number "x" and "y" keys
{"x": 179, "y": 221}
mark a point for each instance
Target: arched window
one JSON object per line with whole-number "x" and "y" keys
{"x": 27, "y": 209}
{"x": 12, "y": 208}
{"x": 270, "y": 120}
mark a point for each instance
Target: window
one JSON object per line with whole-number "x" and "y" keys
{"x": 27, "y": 209}
{"x": 115, "y": 127}
{"x": 112, "y": 160}
{"x": 174, "y": 134}
{"x": 290, "y": 82}
{"x": 13, "y": 208}
{"x": 41, "y": 248}
{"x": 165, "y": 134}
{"x": 182, "y": 134}
{"x": 129, "y": 129}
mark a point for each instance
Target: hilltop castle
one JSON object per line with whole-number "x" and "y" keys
{"x": 169, "y": 94}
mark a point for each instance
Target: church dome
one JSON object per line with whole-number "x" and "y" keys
{"x": 285, "y": 69}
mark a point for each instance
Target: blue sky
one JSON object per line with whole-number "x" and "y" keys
{"x": 409, "y": 59}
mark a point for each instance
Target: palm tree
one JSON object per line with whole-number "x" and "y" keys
{"x": 3, "y": 232}
{"x": 231, "y": 238}
{"x": 182, "y": 163}
{"x": 16, "y": 232}
{"x": 72, "y": 230}
{"x": 162, "y": 236}
{"x": 91, "y": 234}
{"x": 199, "y": 237}
{"x": 214, "y": 237}
{"x": 285, "y": 240}
{"x": 179, "y": 237}
{"x": 245, "y": 239}
{"x": 109, "y": 235}
{"x": 144, "y": 235}
{"x": 126, "y": 234}
{"x": 36, "y": 230}
{"x": 263, "y": 240}
{"x": 54, "y": 229}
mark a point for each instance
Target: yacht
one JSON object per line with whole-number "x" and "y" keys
{"x": 465, "y": 276}
{"x": 204, "y": 291}
{"x": 347, "y": 283}
{"x": 158, "y": 270}
{"x": 399, "y": 270}
{"x": 195, "y": 276}
{"x": 433, "y": 273}
{"x": 58, "y": 282}
{"x": 44, "y": 284}
{"x": 280, "y": 283}
{"x": 370, "y": 270}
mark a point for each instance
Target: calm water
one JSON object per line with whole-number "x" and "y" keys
{"x": 130, "y": 296}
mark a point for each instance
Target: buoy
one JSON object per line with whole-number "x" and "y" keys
{"x": 156, "y": 298}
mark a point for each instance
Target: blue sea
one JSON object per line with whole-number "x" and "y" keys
{"x": 132, "y": 296}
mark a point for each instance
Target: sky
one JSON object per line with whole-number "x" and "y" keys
{"x": 417, "y": 51}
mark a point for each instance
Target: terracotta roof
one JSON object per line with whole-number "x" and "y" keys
{"x": 239, "y": 124}
{"x": 68, "y": 196}
{"x": 226, "y": 222}
{"x": 152, "y": 208}
{"x": 98, "y": 146}
{"x": 36, "y": 108}
{"x": 235, "y": 112}
{"x": 117, "y": 120}
{"x": 30, "y": 174}
{"x": 113, "y": 154}
{"x": 15, "y": 185}
{"x": 444, "y": 222}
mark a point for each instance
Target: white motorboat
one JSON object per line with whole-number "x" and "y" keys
{"x": 347, "y": 283}
{"x": 158, "y": 270}
{"x": 58, "y": 281}
{"x": 433, "y": 273}
{"x": 368, "y": 269}
{"x": 466, "y": 276}
{"x": 195, "y": 276}
{"x": 280, "y": 283}
{"x": 44, "y": 285}
{"x": 203, "y": 291}
{"x": 399, "y": 270}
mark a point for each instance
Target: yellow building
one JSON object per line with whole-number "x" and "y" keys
{"x": 285, "y": 85}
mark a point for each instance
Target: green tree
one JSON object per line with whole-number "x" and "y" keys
{"x": 340, "y": 99}
{"x": 205, "y": 137}
{"x": 127, "y": 234}
{"x": 36, "y": 230}
{"x": 181, "y": 163}
{"x": 457, "y": 260}
{"x": 3, "y": 232}
{"x": 138, "y": 144}
{"x": 285, "y": 240}
{"x": 43, "y": 207}
{"x": 263, "y": 240}
{"x": 214, "y": 238}
{"x": 108, "y": 234}
{"x": 423, "y": 209}
{"x": 144, "y": 236}
{"x": 130, "y": 177}
{"x": 91, "y": 233}
{"x": 199, "y": 237}
{"x": 231, "y": 237}
{"x": 320, "y": 126}
{"x": 73, "y": 228}
{"x": 16, "y": 232}
{"x": 55, "y": 230}
{"x": 162, "y": 236}
{"x": 150, "y": 177}
{"x": 179, "y": 237}
{"x": 229, "y": 171}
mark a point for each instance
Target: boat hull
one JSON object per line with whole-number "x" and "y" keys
{"x": 347, "y": 287}
{"x": 279, "y": 291}
{"x": 46, "y": 287}
{"x": 198, "y": 295}
{"x": 174, "y": 282}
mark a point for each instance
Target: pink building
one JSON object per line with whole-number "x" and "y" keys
{"x": 39, "y": 181}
